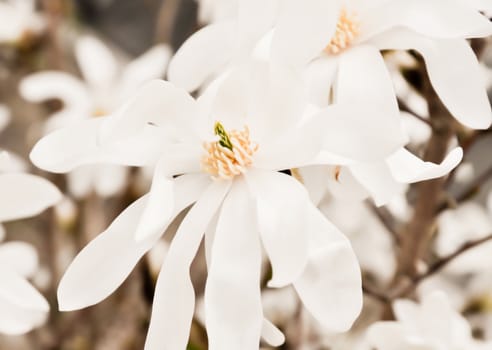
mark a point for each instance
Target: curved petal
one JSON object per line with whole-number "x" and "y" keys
{"x": 315, "y": 179}
{"x": 392, "y": 335}
{"x": 255, "y": 18}
{"x": 271, "y": 334}
{"x": 79, "y": 144}
{"x": 281, "y": 204}
{"x": 320, "y": 75}
{"x": 202, "y": 55}
{"x": 303, "y": 30}
{"x": 110, "y": 179}
{"x": 453, "y": 71}
{"x": 105, "y": 262}
{"x": 39, "y": 87}
{"x": 80, "y": 181}
{"x": 234, "y": 276}
{"x": 96, "y": 62}
{"x": 407, "y": 168}
{"x": 20, "y": 257}
{"x": 25, "y": 195}
{"x": 433, "y": 18}
{"x": 22, "y": 308}
{"x": 174, "y": 299}
{"x": 333, "y": 297}
{"x": 158, "y": 102}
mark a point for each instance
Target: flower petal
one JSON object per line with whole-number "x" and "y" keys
{"x": 320, "y": 75}
{"x": 22, "y": 308}
{"x": 271, "y": 334}
{"x": 174, "y": 299}
{"x": 453, "y": 71}
{"x": 281, "y": 203}
{"x": 110, "y": 179}
{"x": 202, "y": 55}
{"x": 333, "y": 297}
{"x": 96, "y": 62}
{"x": 303, "y": 30}
{"x": 407, "y": 168}
{"x": 20, "y": 257}
{"x": 94, "y": 274}
{"x": 70, "y": 147}
{"x": 25, "y": 195}
{"x": 433, "y": 18}
{"x": 234, "y": 276}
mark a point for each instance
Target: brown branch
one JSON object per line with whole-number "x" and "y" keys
{"x": 404, "y": 107}
{"x": 369, "y": 291}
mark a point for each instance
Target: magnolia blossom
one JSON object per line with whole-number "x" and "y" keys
{"x": 105, "y": 86}
{"x": 321, "y": 36}
{"x": 431, "y": 325}
{"x": 222, "y": 152}
{"x": 19, "y": 20}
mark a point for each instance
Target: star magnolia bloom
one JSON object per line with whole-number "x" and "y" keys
{"x": 432, "y": 325}
{"x": 106, "y": 85}
{"x": 22, "y": 308}
{"x": 222, "y": 152}
{"x": 19, "y": 20}
{"x": 322, "y": 34}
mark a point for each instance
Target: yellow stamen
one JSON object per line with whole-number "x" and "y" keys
{"x": 231, "y": 155}
{"x": 347, "y": 30}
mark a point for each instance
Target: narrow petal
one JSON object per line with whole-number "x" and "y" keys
{"x": 96, "y": 62}
{"x": 174, "y": 299}
{"x": 202, "y": 55}
{"x": 70, "y": 147}
{"x": 453, "y": 71}
{"x": 22, "y": 308}
{"x": 282, "y": 209}
{"x": 433, "y": 18}
{"x": 20, "y": 257}
{"x": 391, "y": 335}
{"x": 271, "y": 334}
{"x": 105, "y": 262}
{"x": 303, "y": 30}
{"x": 233, "y": 307}
{"x": 25, "y": 195}
{"x": 408, "y": 168}
{"x": 333, "y": 296}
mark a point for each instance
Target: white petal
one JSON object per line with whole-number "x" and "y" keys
{"x": 408, "y": 168}
{"x": 330, "y": 286}
{"x": 105, "y": 263}
{"x": 255, "y": 18}
{"x": 453, "y": 71}
{"x": 434, "y": 18}
{"x": 202, "y": 55}
{"x": 110, "y": 179}
{"x": 158, "y": 102}
{"x": 42, "y": 86}
{"x": 70, "y": 147}
{"x": 282, "y": 204}
{"x": 20, "y": 257}
{"x": 22, "y": 308}
{"x": 233, "y": 308}
{"x": 174, "y": 299}
{"x": 25, "y": 195}
{"x": 390, "y": 336}
{"x": 315, "y": 179}
{"x": 271, "y": 334}
{"x": 151, "y": 65}
{"x": 96, "y": 62}
{"x": 304, "y": 29}
{"x": 320, "y": 75}
{"x": 80, "y": 181}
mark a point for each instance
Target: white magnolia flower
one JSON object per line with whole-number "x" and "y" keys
{"x": 323, "y": 35}
{"x": 18, "y": 19}
{"x": 106, "y": 85}
{"x": 23, "y": 195}
{"x": 222, "y": 151}
{"x": 432, "y": 325}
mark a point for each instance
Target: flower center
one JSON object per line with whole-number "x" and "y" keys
{"x": 347, "y": 30}
{"x": 231, "y": 155}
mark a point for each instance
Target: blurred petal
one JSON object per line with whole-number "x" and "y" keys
{"x": 233, "y": 307}
{"x": 271, "y": 334}
{"x": 22, "y": 308}
{"x": 20, "y": 257}
{"x": 25, "y": 195}
{"x": 282, "y": 203}
{"x": 96, "y": 61}
{"x": 333, "y": 296}
{"x": 80, "y": 181}
{"x": 105, "y": 262}
{"x": 174, "y": 299}
{"x": 303, "y": 30}
{"x": 390, "y": 336}
{"x": 453, "y": 71}
{"x": 202, "y": 55}
{"x": 315, "y": 179}
{"x": 408, "y": 168}
{"x": 110, "y": 179}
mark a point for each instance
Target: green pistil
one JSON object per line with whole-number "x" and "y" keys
{"x": 224, "y": 140}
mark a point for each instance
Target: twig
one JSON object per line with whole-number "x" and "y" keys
{"x": 369, "y": 291}
{"x": 404, "y": 107}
